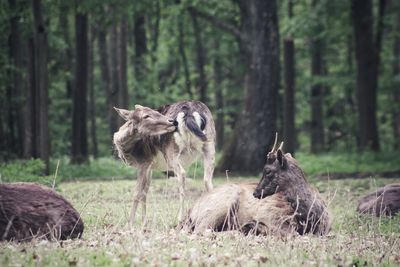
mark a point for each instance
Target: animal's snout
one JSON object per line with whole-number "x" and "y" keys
{"x": 258, "y": 193}
{"x": 174, "y": 122}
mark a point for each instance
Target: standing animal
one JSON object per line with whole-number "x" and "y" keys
{"x": 282, "y": 201}
{"x": 170, "y": 137}
{"x": 30, "y": 210}
{"x": 384, "y": 201}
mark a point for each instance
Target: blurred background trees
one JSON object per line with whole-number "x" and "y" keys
{"x": 323, "y": 74}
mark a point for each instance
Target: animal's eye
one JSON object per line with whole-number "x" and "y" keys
{"x": 146, "y": 117}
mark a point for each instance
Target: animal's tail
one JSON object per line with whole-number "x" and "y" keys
{"x": 192, "y": 122}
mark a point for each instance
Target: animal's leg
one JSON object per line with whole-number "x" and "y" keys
{"x": 146, "y": 190}
{"x": 209, "y": 163}
{"x": 181, "y": 175}
{"x": 139, "y": 194}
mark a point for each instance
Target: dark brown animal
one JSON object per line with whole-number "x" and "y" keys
{"x": 282, "y": 202}
{"x": 30, "y": 211}
{"x": 169, "y": 138}
{"x": 384, "y": 201}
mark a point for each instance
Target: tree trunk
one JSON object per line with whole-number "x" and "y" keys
{"x": 396, "y": 78}
{"x": 67, "y": 55}
{"x": 41, "y": 83}
{"x": 140, "y": 47}
{"x": 92, "y": 102}
{"x": 200, "y": 59}
{"x": 16, "y": 92}
{"x": 219, "y": 99}
{"x": 367, "y": 74}
{"x": 114, "y": 78}
{"x": 30, "y": 148}
{"x": 105, "y": 77}
{"x": 254, "y": 133}
{"x": 156, "y": 31}
{"x": 317, "y": 138}
{"x": 181, "y": 45}
{"x": 289, "y": 129}
{"x": 79, "y": 119}
{"x": 123, "y": 43}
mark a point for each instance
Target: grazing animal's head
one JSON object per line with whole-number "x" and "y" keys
{"x": 147, "y": 121}
{"x": 280, "y": 171}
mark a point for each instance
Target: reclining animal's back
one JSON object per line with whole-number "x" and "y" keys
{"x": 30, "y": 210}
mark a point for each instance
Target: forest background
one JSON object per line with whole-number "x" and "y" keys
{"x": 324, "y": 75}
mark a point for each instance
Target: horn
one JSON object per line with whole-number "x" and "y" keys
{"x": 280, "y": 146}
{"x": 276, "y": 140}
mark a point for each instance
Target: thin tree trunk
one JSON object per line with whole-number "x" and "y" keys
{"x": 123, "y": 43}
{"x": 219, "y": 98}
{"x": 16, "y": 93}
{"x": 30, "y": 149}
{"x": 200, "y": 59}
{"x": 79, "y": 111}
{"x": 114, "y": 88}
{"x": 41, "y": 83}
{"x": 255, "y": 130}
{"x": 105, "y": 76}
{"x": 396, "y": 77}
{"x": 317, "y": 138}
{"x": 289, "y": 129}
{"x": 67, "y": 55}
{"x": 155, "y": 33}
{"x": 92, "y": 102}
{"x": 181, "y": 45}
{"x": 367, "y": 74}
{"x": 140, "y": 47}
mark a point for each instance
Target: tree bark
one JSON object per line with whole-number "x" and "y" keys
{"x": 289, "y": 129}
{"x": 254, "y": 132}
{"x": 30, "y": 149}
{"x": 123, "y": 101}
{"x": 181, "y": 45}
{"x": 317, "y": 138}
{"x": 92, "y": 99}
{"x": 396, "y": 78}
{"x": 140, "y": 47}
{"x": 41, "y": 83}
{"x": 113, "y": 94}
{"x": 79, "y": 111}
{"x": 219, "y": 98}
{"x": 367, "y": 74}
{"x": 16, "y": 104}
{"x": 67, "y": 55}
{"x": 200, "y": 58}
{"x": 155, "y": 32}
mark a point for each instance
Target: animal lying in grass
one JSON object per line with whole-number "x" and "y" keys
{"x": 33, "y": 211}
{"x": 384, "y": 201}
{"x": 282, "y": 202}
{"x": 171, "y": 137}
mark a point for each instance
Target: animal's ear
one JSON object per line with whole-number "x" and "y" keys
{"x": 138, "y": 107}
{"x": 281, "y": 158}
{"x": 125, "y": 114}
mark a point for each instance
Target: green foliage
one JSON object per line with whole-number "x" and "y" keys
{"x": 25, "y": 171}
{"x": 102, "y": 168}
{"x": 349, "y": 162}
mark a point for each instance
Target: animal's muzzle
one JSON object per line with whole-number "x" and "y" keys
{"x": 258, "y": 194}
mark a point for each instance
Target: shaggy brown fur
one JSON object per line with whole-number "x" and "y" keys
{"x": 283, "y": 201}
{"x": 33, "y": 211}
{"x": 169, "y": 138}
{"x": 384, "y": 201}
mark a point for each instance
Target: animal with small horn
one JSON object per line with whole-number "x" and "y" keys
{"x": 171, "y": 137}
{"x": 282, "y": 201}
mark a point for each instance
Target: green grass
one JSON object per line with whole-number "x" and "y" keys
{"x": 107, "y": 241}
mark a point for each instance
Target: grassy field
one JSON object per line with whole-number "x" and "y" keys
{"x": 107, "y": 241}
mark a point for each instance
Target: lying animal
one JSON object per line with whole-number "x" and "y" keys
{"x": 33, "y": 211}
{"x": 282, "y": 201}
{"x": 171, "y": 137}
{"x": 384, "y": 201}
